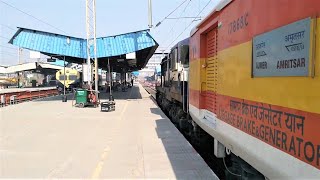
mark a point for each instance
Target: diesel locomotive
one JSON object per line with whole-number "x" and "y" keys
{"x": 71, "y": 78}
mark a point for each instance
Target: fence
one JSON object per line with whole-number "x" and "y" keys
{"x": 9, "y": 98}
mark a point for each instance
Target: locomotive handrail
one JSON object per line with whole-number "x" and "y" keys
{"x": 201, "y": 90}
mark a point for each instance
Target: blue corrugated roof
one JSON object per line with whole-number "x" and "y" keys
{"x": 55, "y": 44}
{"x": 124, "y": 44}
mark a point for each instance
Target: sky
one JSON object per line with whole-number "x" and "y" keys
{"x": 113, "y": 17}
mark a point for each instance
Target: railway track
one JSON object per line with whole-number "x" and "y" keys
{"x": 151, "y": 91}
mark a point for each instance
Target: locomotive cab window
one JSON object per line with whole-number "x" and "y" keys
{"x": 174, "y": 59}
{"x": 72, "y": 77}
{"x": 169, "y": 61}
{"x": 184, "y": 55}
{"x": 62, "y": 77}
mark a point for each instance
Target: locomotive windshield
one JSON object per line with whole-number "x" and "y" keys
{"x": 73, "y": 77}
{"x": 174, "y": 59}
{"x": 62, "y": 77}
{"x": 184, "y": 54}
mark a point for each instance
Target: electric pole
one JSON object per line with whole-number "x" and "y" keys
{"x": 91, "y": 41}
{"x": 20, "y": 74}
{"x": 150, "y": 13}
{"x": 20, "y": 55}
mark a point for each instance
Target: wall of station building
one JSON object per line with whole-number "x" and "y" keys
{"x": 152, "y": 67}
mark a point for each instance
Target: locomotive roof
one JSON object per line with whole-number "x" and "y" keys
{"x": 222, "y": 4}
{"x": 181, "y": 43}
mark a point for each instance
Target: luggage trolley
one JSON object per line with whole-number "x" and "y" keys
{"x": 108, "y": 106}
{"x": 85, "y": 98}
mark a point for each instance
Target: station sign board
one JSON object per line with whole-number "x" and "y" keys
{"x": 283, "y": 51}
{"x": 51, "y": 60}
{"x": 85, "y": 73}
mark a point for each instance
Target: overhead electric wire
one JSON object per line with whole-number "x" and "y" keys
{"x": 186, "y": 17}
{"x": 178, "y": 18}
{"x": 170, "y": 13}
{"x": 7, "y": 27}
{"x": 4, "y": 37}
{"x": 31, "y": 16}
{"x": 188, "y": 25}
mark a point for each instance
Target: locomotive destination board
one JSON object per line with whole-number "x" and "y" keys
{"x": 283, "y": 51}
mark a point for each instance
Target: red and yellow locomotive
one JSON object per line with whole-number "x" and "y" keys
{"x": 254, "y": 85}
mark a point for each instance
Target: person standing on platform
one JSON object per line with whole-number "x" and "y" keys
{"x": 106, "y": 87}
{"x": 131, "y": 82}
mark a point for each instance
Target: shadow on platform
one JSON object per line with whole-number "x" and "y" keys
{"x": 185, "y": 162}
{"x": 130, "y": 93}
{"x": 159, "y": 112}
{"x": 55, "y": 98}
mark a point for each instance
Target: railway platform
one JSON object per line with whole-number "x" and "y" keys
{"x": 47, "y": 138}
{"x": 16, "y": 90}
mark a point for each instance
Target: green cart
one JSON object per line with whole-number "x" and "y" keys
{"x": 85, "y": 98}
{"x": 81, "y": 97}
